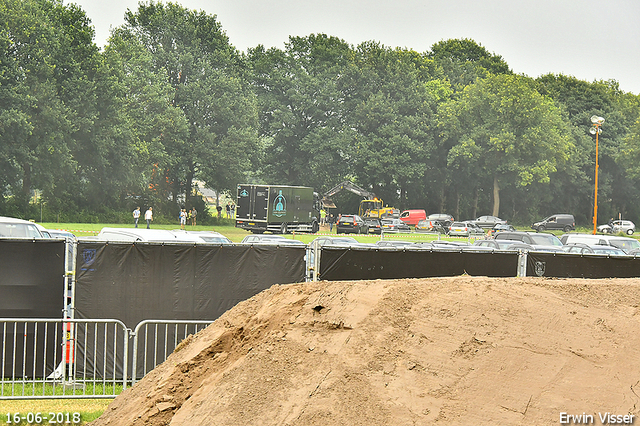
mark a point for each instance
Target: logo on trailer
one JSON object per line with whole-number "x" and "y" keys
{"x": 279, "y": 205}
{"x": 244, "y": 193}
{"x": 539, "y": 268}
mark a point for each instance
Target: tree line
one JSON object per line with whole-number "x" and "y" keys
{"x": 87, "y": 135}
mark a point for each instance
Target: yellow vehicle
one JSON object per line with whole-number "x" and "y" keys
{"x": 371, "y": 206}
{"x": 375, "y": 208}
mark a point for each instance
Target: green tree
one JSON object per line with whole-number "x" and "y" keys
{"x": 508, "y": 134}
{"x": 302, "y": 110}
{"x": 464, "y": 61}
{"x": 46, "y": 54}
{"x": 206, "y": 74}
{"x": 390, "y": 112}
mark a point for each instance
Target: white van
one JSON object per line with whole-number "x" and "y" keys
{"x": 625, "y": 244}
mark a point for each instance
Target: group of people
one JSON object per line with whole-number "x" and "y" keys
{"x": 184, "y": 216}
{"x": 230, "y": 211}
{"x": 189, "y": 216}
{"x": 148, "y": 216}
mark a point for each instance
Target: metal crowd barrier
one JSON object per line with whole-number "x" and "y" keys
{"x": 82, "y": 358}
{"x": 48, "y": 358}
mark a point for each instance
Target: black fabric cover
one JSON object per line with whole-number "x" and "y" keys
{"x": 581, "y": 266}
{"x": 31, "y": 286}
{"x": 133, "y": 282}
{"x": 356, "y": 264}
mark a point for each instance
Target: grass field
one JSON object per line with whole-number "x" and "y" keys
{"x": 89, "y": 409}
{"x": 237, "y": 234}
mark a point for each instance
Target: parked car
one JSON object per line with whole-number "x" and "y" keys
{"x": 465, "y": 229}
{"x": 519, "y": 246}
{"x": 489, "y": 221}
{"x": 206, "y": 236}
{"x": 348, "y": 224}
{"x": 580, "y": 248}
{"x": 501, "y": 228}
{"x": 144, "y": 235}
{"x": 17, "y": 228}
{"x": 494, "y": 244}
{"x": 538, "y": 240}
{"x": 334, "y": 241}
{"x": 423, "y": 226}
{"x": 442, "y": 218}
{"x": 618, "y": 226}
{"x": 394, "y": 225}
{"x": 270, "y": 239}
{"x": 397, "y": 244}
{"x": 373, "y": 225}
{"x": 413, "y": 216}
{"x": 565, "y": 222}
{"x": 435, "y": 223}
{"x": 626, "y": 244}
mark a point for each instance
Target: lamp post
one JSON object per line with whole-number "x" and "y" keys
{"x": 596, "y": 130}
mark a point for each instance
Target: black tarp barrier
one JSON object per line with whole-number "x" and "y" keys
{"x": 355, "y": 264}
{"x": 562, "y": 265}
{"x": 133, "y": 282}
{"x": 31, "y": 286}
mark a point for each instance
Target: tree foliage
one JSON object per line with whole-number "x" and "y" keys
{"x": 170, "y": 101}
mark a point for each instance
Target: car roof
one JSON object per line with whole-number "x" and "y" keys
{"x": 142, "y": 234}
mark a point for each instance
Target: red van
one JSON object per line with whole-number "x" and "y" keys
{"x": 413, "y": 216}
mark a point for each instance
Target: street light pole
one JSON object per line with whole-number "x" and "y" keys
{"x": 596, "y": 130}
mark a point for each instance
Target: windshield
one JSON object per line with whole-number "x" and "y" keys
{"x": 625, "y": 244}
{"x": 546, "y": 240}
{"x": 19, "y": 230}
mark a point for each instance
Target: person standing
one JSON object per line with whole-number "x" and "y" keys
{"x": 194, "y": 212}
{"x": 228, "y": 208}
{"x": 136, "y": 216}
{"x": 233, "y": 211}
{"x": 219, "y": 209}
{"x": 148, "y": 216}
{"x": 183, "y": 218}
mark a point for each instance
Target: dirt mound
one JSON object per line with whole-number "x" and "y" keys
{"x": 457, "y": 350}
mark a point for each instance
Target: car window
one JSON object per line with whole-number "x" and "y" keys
{"x": 625, "y": 244}
{"x": 19, "y": 230}
{"x": 546, "y": 240}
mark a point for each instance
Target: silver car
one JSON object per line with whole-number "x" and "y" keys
{"x": 618, "y": 226}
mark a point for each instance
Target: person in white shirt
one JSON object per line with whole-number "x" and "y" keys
{"x": 136, "y": 215}
{"x": 148, "y": 216}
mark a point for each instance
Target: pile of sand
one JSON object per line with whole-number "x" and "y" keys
{"x": 457, "y": 351}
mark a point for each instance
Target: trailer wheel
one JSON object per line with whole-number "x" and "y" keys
{"x": 315, "y": 227}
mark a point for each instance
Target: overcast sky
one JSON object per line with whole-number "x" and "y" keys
{"x": 588, "y": 39}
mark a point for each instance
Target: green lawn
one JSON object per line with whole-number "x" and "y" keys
{"x": 89, "y": 409}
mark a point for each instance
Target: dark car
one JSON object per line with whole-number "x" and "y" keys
{"x": 501, "y": 228}
{"x": 394, "y": 225}
{"x": 488, "y": 221}
{"x": 351, "y": 224}
{"x": 565, "y": 222}
{"x": 539, "y": 241}
{"x": 373, "y": 225}
{"x": 581, "y": 248}
{"x": 494, "y": 244}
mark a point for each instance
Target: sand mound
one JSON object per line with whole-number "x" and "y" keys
{"x": 457, "y": 350}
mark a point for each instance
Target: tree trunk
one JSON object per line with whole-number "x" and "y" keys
{"x": 189, "y": 186}
{"x": 474, "y": 211}
{"x": 26, "y": 187}
{"x": 496, "y": 196}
